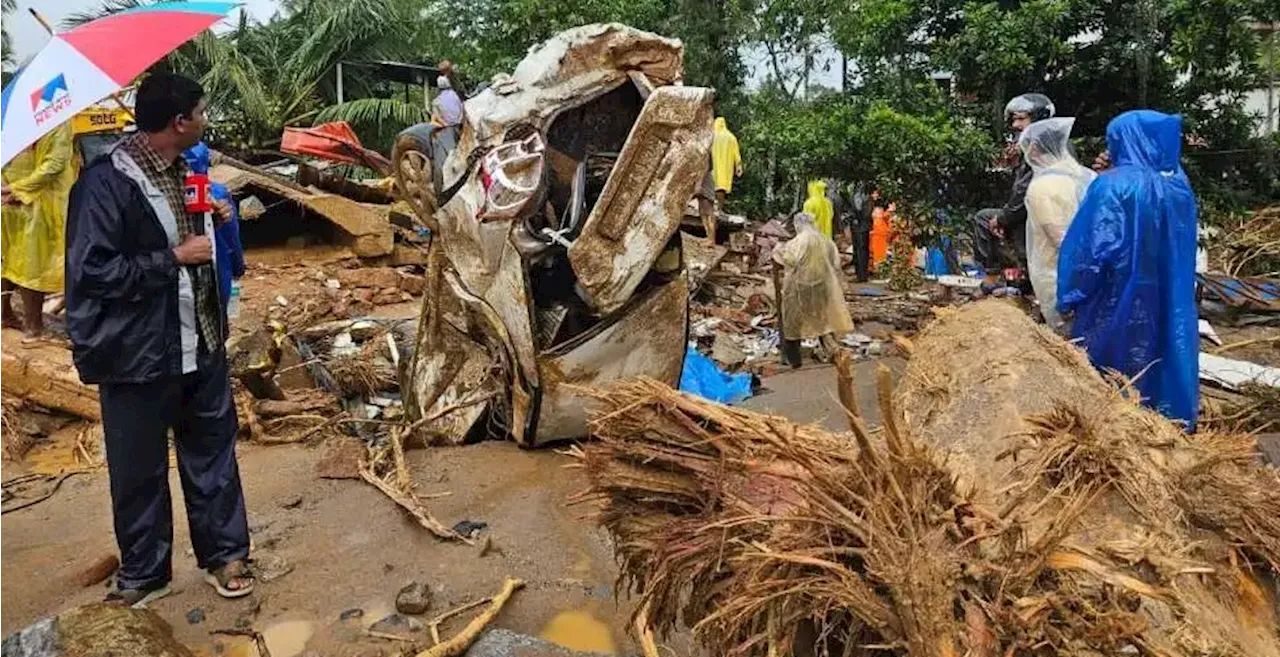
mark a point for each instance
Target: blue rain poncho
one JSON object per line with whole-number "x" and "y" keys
{"x": 1127, "y": 265}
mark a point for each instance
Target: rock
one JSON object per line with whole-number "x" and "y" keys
{"x": 195, "y": 616}
{"x": 397, "y": 624}
{"x": 351, "y": 614}
{"x": 97, "y": 571}
{"x": 414, "y": 598}
{"x": 727, "y": 352}
{"x": 369, "y": 277}
{"x": 97, "y": 629}
{"x": 386, "y": 296}
{"x": 405, "y": 254}
{"x": 412, "y": 283}
{"x": 268, "y": 566}
{"x": 505, "y": 643}
{"x": 875, "y": 348}
{"x": 293, "y": 502}
{"x": 341, "y": 459}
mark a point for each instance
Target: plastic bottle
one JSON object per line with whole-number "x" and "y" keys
{"x": 233, "y": 302}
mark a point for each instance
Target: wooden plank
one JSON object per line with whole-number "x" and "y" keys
{"x": 44, "y": 375}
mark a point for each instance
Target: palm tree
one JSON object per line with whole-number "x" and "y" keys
{"x": 7, "y": 59}
{"x": 263, "y": 76}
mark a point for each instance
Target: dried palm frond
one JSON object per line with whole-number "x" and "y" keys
{"x": 1096, "y": 527}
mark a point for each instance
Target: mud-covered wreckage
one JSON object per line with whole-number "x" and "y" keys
{"x": 557, "y": 259}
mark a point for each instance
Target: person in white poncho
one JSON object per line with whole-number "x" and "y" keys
{"x": 811, "y": 298}
{"x": 1058, "y": 183}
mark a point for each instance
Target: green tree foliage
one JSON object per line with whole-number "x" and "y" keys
{"x": 7, "y": 58}
{"x": 888, "y": 124}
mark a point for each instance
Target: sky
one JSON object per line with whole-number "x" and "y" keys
{"x": 28, "y": 37}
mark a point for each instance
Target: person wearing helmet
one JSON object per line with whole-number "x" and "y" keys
{"x": 993, "y": 225}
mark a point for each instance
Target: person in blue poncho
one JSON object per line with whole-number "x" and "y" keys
{"x": 1126, "y": 271}
{"x": 230, "y": 253}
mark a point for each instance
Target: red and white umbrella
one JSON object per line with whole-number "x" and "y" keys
{"x": 81, "y": 66}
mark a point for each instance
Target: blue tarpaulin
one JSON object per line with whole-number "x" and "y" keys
{"x": 701, "y": 376}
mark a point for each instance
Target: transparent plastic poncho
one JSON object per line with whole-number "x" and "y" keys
{"x": 1058, "y": 183}
{"x": 812, "y": 296}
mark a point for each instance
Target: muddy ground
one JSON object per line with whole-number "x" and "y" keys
{"x": 352, "y": 549}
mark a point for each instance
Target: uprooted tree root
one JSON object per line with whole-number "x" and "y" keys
{"x": 766, "y": 537}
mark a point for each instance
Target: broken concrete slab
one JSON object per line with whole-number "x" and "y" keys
{"x": 407, "y": 254}
{"x": 44, "y": 375}
{"x": 367, "y": 231}
{"x": 371, "y": 277}
{"x": 505, "y": 643}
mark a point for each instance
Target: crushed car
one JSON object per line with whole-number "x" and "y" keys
{"x": 556, "y": 259}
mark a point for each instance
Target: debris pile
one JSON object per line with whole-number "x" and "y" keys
{"x": 1250, "y": 247}
{"x": 1036, "y": 512}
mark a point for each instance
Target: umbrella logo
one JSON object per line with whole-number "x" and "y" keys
{"x": 49, "y": 100}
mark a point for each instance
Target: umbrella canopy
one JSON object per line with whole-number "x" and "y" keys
{"x": 79, "y": 67}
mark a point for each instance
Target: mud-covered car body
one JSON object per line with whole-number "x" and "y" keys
{"x": 555, "y": 261}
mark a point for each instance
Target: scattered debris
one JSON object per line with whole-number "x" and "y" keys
{"x": 394, "y": 480}
{"x": 366, "y": 231}
{"x": 458, "y": 644}
{"x": 43, "y": 374}
{"x": 351, "y": 614}
{"x": 195, "y": 616}
{"x": 397, "y": 624}
{"x": 469, "y": 528}
{"x": 269, "y": 566}
{"x": 1248, "y": 294}
{"x": 414, "y": 598}
{"x": 53, "y": 482}
{"x": 98, "y": 571}
{"x": 1232, "y": 374}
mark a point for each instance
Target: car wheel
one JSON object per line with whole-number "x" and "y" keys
{"x": 415, "y": 180}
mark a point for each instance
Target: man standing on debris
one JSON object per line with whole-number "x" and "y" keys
{"x": 147, "y": 326}
{"x": 811, "y": 299}
{"x": 1009, "y": 223}
{"x": 726, "y": 161}
{"x": 1127, "y": 265}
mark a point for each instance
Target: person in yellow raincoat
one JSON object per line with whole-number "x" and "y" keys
{"x": 820, "y": 207}
{"x": 726, "y": 161}
{"x": 811, "y": 301}
{"x": 37, "y": 184}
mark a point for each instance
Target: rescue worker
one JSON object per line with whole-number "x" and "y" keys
{"x": 819, "y": 206}
{"x": 1008, "y": 223}
{"x": 859, "y": 221}
{"x": 1058, "y": 182}
{"x": 726, "y": 161}
{"x": 147, "y": 327}
{"x": 37, "y": 184}
{"x": 811, "y": 296}
{"x": 1126, "y": 272}
{"x": 446, "y": 109}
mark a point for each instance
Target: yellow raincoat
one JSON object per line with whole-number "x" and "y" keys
{"x": 812, "y": 297}
{"x": 819, "y": 206}
{"x": 726, "y": 162}
{"x": 40, "y": 179}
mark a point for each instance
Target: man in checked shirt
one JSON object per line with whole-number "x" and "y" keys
{"x": 147, "y": 325}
